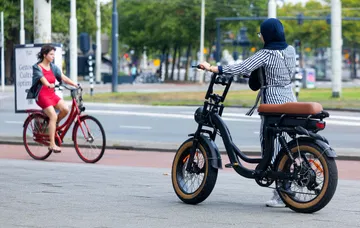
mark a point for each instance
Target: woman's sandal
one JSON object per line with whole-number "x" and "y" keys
{"x": 54, "y": 150}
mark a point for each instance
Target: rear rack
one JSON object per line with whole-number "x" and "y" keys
{"x": 321, "y": 115}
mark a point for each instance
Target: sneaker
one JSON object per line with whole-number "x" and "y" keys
{"x": 275, "y": 201}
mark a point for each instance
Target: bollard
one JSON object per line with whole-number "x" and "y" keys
{"x": 91, "y": 74}
{"x": 298, "y": 76}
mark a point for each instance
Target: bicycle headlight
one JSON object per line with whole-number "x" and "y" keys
{"x": 199, "y": 116}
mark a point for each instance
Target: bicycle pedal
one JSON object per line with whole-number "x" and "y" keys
{"x": 230, "y": 165}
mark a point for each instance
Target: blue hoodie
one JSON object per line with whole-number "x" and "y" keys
{"x": 272, "y": 31}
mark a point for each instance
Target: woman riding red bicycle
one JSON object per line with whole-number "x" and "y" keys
{"x": 45, "y": 72}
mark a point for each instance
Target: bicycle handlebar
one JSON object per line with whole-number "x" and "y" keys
{"x": 68, "y": 87}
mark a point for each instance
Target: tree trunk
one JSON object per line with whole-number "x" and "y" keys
{"x": 161, "y": 61}
{"x": 174, "y": 62}
{"x": 10, "y": 58}
{"x": 178, "y": 64}
{"x": 353, "y": 62}
{"x": 167, "y": 65}
{"x": 188, "y": 59}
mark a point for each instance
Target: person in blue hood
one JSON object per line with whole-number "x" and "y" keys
{"x": 277, "y": 61}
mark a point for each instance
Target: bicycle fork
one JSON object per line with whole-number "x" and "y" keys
{"x": 193, "y": 149}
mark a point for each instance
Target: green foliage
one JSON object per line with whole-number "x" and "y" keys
{"x": 318, "y": 33}
{"x": 159, "y": 24}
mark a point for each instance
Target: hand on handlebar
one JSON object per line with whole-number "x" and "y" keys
{"x": 51, "y": 86}
{"x": 205, "y": 66}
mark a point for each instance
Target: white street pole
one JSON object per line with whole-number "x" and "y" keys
{"x": 202, "y": 31}
{"x": 22, "y": 30}
{"x": 272, "y": 9}
{"x": 42, "y": 21}
{"x": 336, "y": 47}
{"x": 98, "y": 43}
{"x": 73, "y": 42}
{"x": 144, "y": 59}
{"x": 2, "y": 53}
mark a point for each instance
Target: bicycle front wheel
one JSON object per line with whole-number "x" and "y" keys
{"x": 89, "y": 139}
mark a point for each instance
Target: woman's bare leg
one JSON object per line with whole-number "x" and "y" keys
{"x": 50, "y": 112}
{"x": 63, "y": 110}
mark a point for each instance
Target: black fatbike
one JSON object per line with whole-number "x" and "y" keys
{"x": 304, "y": 171}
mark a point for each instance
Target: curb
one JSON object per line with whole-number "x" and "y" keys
{"x": 345, "y": 154}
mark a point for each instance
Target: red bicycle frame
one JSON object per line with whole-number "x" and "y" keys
{"x": 60, "y": 132}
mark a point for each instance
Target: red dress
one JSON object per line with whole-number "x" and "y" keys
{"x": 47, "y": 97}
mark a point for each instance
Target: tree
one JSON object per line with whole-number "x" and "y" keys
{"x": 60, "y": 16}
{"x": 313, "y": 34}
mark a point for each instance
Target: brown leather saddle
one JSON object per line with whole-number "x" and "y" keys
{"x": 299, "y": 108}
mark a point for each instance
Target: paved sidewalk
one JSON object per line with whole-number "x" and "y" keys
{"x": 153, "y": 159}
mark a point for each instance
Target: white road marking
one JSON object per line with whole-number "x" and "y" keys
{"x": 335, "y": 120}
{"x": 343, "y": 123}
{"x": 14, "y": 122}
{"x": 3, "y": 96}
{"x": 241, "y": 117}
{"x": 137, "y": 127}
{"x": 114, "y": 105}
{"x": 344, "y": 117}
{"x": 332, "y": 120}
{"x": 163, "y": 115}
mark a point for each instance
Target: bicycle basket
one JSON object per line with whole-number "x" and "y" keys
{"x": 77, "y": 95}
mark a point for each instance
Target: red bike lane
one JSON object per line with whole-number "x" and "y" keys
{"x": 349, "y": 170}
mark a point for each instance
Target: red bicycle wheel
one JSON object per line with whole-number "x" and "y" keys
{"x": 36, "y": 136}
{"x": 89, "y": 139}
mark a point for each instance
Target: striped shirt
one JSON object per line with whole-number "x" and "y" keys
{"x": 279, "y": 68}
{"x": 277, "y": 71}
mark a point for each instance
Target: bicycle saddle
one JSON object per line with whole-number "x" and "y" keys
{"x": 301, "y": 108}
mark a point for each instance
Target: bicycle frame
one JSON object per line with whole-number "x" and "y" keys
{"x": 74, "y": 115}
{"x": 209, "y": 115}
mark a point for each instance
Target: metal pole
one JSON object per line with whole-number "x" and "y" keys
{"x": 298, "y": 76}
{"x": 22, "y": 30}
{"x": 336, "y": 47}
{"x": 2, "y": 53}
{"x": 73, "y": 42}
{"x": 272, "y": 9}
{"x": 218, "y": 42}
{"x": 202, "y": 31}
{"x": 42, "y": 21}
{"x": 98, "y": 43}
{"x": 114, "y": 51}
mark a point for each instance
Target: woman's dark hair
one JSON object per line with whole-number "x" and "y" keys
{"x": 44, "y": 51}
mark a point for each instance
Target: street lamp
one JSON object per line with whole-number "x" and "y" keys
{"x": 22, "y": 31}
{"x": 114, "y": 51}
{"x": 202, "y": 31}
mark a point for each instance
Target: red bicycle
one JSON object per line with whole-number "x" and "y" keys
{"x": 36, "y": 137}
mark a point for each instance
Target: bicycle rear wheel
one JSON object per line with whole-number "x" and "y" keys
{"x": 89, "y": 139}
{"x": 36, "y": 136}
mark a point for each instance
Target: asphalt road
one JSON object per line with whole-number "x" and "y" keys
{"x": 168, "y": 127}
{"x": 171, "y": 125}
{"x": 54, "y": 194}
